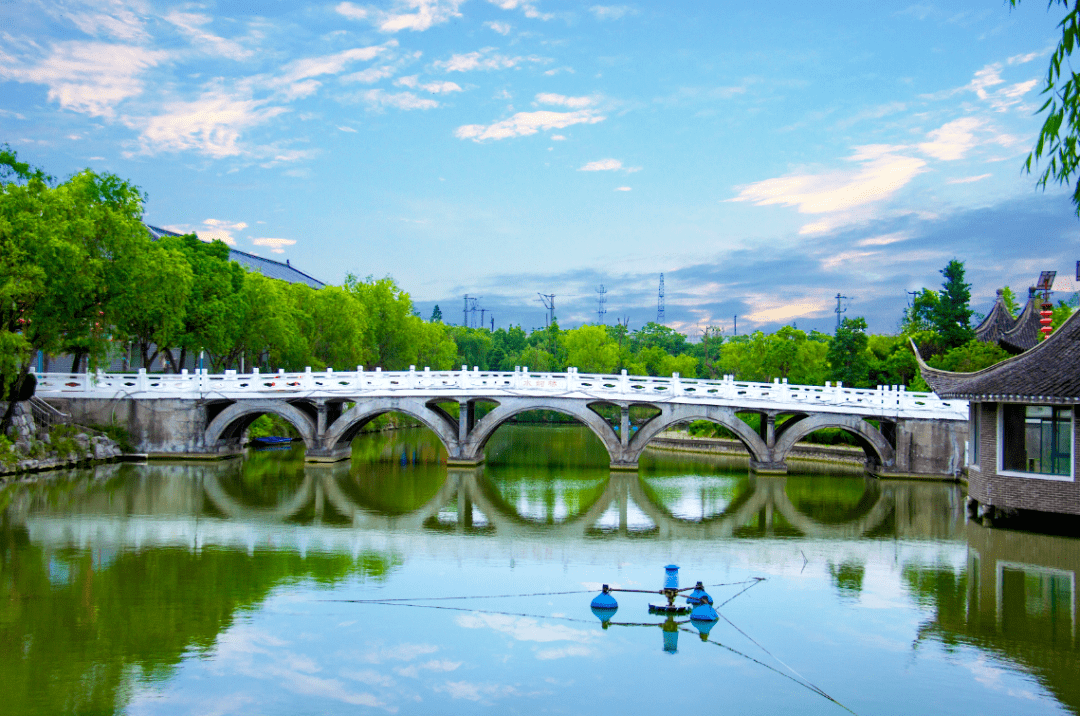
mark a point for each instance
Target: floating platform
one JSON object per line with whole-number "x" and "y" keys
{"x": 674, "y": 609}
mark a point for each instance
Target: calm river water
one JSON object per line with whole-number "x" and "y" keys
{"x": 264, "y": 586}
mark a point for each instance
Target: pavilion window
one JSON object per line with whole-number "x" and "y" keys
{"x": 974, "y": 435}
{"x": 1037, "y": 439}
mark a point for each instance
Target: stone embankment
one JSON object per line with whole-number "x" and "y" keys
{"x": 30, "y": 447}
{"x": 681, "y": 441}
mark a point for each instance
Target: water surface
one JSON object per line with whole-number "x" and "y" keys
{"x": 246, "y": 587}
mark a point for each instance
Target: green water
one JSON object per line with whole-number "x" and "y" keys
{"x": 246, "y": 587}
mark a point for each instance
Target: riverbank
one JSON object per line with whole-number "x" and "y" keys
{"x": 681, "y": 441}
{"x": 30, "y": 445}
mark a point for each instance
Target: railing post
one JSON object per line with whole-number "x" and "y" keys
{"x": 624, "y": 382}
{"x": 142, "y": 383}
{"x": 676, "y": 384}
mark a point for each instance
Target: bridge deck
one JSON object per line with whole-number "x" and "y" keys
{"x": 883, "y": 401}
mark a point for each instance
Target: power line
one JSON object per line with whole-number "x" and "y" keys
{"x": 548, "y": 299}
{"x": 601, "y": 311}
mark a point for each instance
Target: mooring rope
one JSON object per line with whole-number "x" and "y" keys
{"x": 389, "y": 600}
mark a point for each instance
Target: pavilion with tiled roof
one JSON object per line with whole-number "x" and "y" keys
{"x": 1024, "y": 335}
{"x": 997, "y": 322}
{"x": 1023, "y": 429}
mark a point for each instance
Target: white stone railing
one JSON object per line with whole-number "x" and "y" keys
{"x": 778, "y": 395}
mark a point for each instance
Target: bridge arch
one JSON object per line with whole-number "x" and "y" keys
{"x": 230, "y": 423}
{"x": 346, "y": 427}
{"x": 486, "y": 426}
{"x": 672, "y": 415}
{"x": 870, "y": 439}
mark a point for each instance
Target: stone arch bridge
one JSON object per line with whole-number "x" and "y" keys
{"x": 204, "y": 415}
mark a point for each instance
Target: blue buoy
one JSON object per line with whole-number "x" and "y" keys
{"x": 703, "y": 613}
{"x": 671, "y": 576}
{"x": 699, "y": 595}
{"x": 604, "y": 600}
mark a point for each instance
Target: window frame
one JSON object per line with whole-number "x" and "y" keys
{"x": 974, "y": 436}
{"x": 1071, "y": 477}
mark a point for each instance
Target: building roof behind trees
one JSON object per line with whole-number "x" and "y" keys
{"x": 251, "y": 262}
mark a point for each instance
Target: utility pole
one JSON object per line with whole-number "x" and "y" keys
{"x": 601, "y": 311}
{"x": 492, "y": 323}
{"x": 735, "y": 331}
{"x": 465, "y": 313}
{"x": 548, "y": 299}
{"x": 482, "y": 321}
{"x": 838, "y": 310}
{"x": 660, "y": 302}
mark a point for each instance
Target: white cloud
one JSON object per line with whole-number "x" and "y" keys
{"x": 787, "y": 312}
{"x": 885, "y": 239}
{"x": 558, "y": 138}
{"x": 191, "y": 24}
{"x": 524, "y": 628}
{"x": 951, "y": 141}
{"x": 602, "y": 165}
{"x": 370, "y": 75}
{"x": 503, "y": 28}
{"x": 623, "y": 188}
{"x": 433, "y": 87}
{"x": 968, "y": 180}
{"x": 211, "y": 125}
{"x": 332, "y": 64}
{"x": 117, "y": 19}
{"x": 523, "y": 124}
{"x": 481, "y": 60}
{"x": 89, "y": 77}
{"x": 440, "y": 665}
{"x": 473, "y": 692}
{"x": 221, "y": 230}
{"x": 609, "y": 12}
{"x": 529, "y": 8}
{"x": 347, "y": 129}
{"x": 379, "y": 98}
{"x": 882, "y": 173}
{"x": 275, "y": 245}
{"x": 401, "y": 652}
{"x": 563, "y": 100}
{"x": 562, "y": 653}
{"x": 416, "y": 15}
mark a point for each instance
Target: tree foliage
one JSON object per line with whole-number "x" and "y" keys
{"x": 1057, "y": 143}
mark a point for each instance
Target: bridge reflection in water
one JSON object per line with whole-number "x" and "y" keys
{"x": 407, "y": 490}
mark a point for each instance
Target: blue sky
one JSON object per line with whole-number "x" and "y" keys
{"x": 763, "y": 157}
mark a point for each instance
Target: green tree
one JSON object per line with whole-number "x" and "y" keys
{"x": 591, "y": 349}
{"x": 1009, "y": 299}
{"x": 952, "y": 315}
{"x": 436, "y": 314}
{"x": 1057, "y": 142}
{"x": 847, "y": 353}
{"x": 154, "y": 286}
{"x": 387, "y": 308}
{"x": 919, "y": 316}
{"x": 211, "y": 313}
{"x": 59, "y": 244}
{"x": 970, "y": 357}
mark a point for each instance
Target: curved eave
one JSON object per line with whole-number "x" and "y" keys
{"x": 947, "y": 384}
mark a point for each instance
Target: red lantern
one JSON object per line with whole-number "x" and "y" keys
{"x": 1047, "y": 317}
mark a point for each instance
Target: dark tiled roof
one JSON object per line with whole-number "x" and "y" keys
{"x": 267, "y": 267}
{"x": 1024, "y": 335}
{"x": 997, "y": 322}
{"x": 1048, "y": 373}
